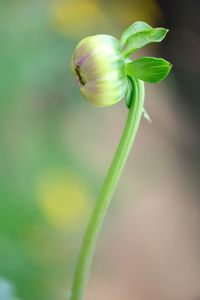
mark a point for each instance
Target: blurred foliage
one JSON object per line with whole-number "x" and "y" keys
{"x": 45, "y": 190}
{"x": 34, "y": 88}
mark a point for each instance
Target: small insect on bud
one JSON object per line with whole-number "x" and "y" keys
{"x": 99, "y": 67}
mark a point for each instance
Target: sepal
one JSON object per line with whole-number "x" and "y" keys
{"x": 140, "y": 34}
{"x": 149, "y": 69}
{"x": 133, "y": 29}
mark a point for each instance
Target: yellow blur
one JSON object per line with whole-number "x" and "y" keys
{"x": 63, "y": 198}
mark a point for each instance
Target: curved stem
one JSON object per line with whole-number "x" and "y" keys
{"x": 108, "y": 188}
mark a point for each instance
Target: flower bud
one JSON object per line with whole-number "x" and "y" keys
{"x": 99, "y": 67}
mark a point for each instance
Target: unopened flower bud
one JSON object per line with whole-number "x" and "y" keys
{"x": 99, "y": 67}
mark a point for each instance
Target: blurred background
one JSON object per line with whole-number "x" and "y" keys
{"x": 55, "y": 149}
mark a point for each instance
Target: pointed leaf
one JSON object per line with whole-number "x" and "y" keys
{"x": 147, "y": 116}
{"x": 134, "y": 28}
{"x": 149, "y": 69}
{"x": 140, "y": 39}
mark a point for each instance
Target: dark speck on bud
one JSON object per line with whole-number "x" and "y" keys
{"x": 81, "y": 79}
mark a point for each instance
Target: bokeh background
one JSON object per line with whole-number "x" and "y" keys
{"x": 55, "y": 150}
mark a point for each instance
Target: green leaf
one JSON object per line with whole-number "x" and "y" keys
{"x": 140, "y": 39}
{"x": 134, "y": 28}
{"x": 149, "y": 69}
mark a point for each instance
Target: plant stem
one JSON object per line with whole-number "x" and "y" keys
{"x": 108, "y": 188}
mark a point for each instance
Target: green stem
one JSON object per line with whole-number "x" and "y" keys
{"x": 108, "y": 188}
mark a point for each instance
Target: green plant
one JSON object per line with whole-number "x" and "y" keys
{"x": 106, "y": 75}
